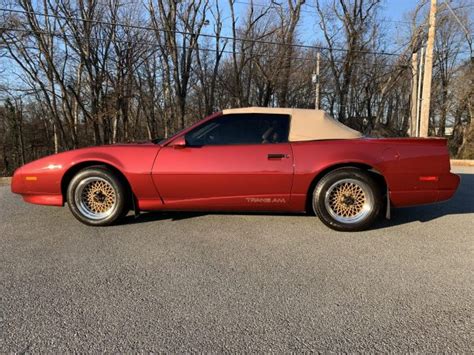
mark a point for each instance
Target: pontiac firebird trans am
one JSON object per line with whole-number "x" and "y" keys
{"x": 248, "y": 159}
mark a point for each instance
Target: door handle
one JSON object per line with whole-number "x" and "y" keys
{"x": 277, "y": 156}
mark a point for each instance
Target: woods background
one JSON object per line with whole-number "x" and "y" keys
{"x": 75, "y": 73}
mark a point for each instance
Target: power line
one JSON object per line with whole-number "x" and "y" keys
{"x": 199, "y": 48}
{"x": 468, "y": 36}
{"x": 148, "y": 28}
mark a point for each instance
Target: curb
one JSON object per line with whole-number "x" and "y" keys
{"x": 5, "y": 181}
{"x": 458, "y": 162}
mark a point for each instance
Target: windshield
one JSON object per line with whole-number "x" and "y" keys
{"x": 161, "y": 140}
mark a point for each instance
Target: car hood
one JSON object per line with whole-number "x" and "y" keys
{"x": 114, "y": 154}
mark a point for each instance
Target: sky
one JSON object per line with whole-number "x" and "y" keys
{"x": 394, "y": 16}
{"x": 308, "y": 29}
{"x": 392, "y": 12}
{"x": 396, "y": 9}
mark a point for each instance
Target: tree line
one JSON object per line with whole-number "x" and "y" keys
{"x": 90, "y": 72}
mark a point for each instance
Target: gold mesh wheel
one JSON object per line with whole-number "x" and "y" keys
{"x": 349, "y": 200}
{"x": 95, "y": 198}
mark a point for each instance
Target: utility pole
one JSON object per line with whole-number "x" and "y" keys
{"x": 316, "y": 82}
{"x": 414, "y": 94}
{"x": 419, "y": 92}
{"x": 425, "y": 105}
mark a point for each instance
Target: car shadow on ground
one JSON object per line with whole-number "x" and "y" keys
{"x": 461, "y": 203}
{"x": 151, "y": 216}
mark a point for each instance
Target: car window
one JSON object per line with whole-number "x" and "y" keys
{"x": 241, "y": 129}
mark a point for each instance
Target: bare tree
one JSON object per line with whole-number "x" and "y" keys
{"x": 76, "y": 73}
{"x": 178, "y": 25}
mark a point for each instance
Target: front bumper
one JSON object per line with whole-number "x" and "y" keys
{"x": 38, "y": 188}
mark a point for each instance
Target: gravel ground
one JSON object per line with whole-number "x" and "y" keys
{"x": 182, "y": 282}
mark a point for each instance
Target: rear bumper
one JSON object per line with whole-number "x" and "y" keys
{"x": 445, "y": 189}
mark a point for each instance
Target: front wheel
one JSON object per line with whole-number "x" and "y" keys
{"x": 96, "y": 196}
{"x": 347, "y": 199}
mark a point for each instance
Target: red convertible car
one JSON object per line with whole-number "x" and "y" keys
{"x": 248, "y": 159}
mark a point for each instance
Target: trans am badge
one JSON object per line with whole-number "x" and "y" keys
{"x": 265, "y": 200}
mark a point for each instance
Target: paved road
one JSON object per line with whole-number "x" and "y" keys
{"x": 184, "y": 282}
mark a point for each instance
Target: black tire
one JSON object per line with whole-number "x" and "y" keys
{"x": 82, "y": 195}
{"x": 347, "y": 199}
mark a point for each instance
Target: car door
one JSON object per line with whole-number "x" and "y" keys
{"x": 233, "y": 162}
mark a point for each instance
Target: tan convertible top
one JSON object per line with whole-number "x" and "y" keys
{"x": 305, "y": 124}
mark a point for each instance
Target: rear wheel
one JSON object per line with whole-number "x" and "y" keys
{"x": 96, "y": 196}
{"x": 347, "y": 199}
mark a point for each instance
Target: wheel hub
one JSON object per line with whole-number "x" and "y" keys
{"x": 99, "y": 197}
{"x": 96, "y": 198}
{"x": 348, "y": 200}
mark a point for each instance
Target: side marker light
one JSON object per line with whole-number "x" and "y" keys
{"x": 428, "y": 178}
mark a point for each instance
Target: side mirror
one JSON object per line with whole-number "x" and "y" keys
{"x": 179, "y": 143}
